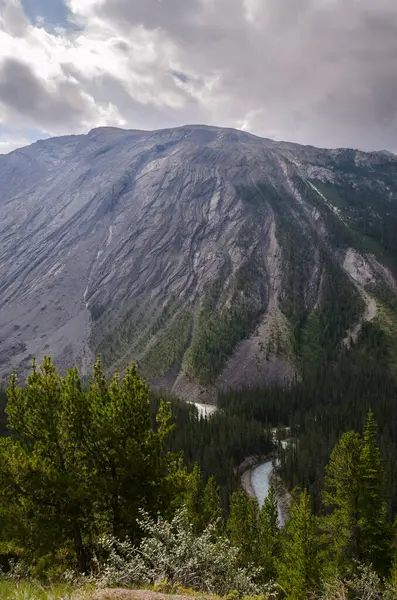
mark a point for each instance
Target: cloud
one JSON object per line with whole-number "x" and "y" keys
{"x": 12, "y": 18}
{"x": 22, "y": 93}
{"x": 9, "y": 143}
{"x": 313, "y": 71}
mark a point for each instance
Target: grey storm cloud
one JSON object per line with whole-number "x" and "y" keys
{"x": 320, "y": 72}
{"x": 139, "y": 114}
{"x": 23, "y": 94}
{"x": 315, "y": 71}
{"x": 178, "y": 17}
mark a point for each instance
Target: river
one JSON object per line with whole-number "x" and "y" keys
{"x": 261, "y": 483}
{"x": 258, "y": 477}
{"x": 260, "y": 480}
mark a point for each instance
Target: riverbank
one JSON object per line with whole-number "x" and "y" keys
{"x": 245, "y": 473}
{"x": 284, "y": 498}
{"x": 246, "y": 469}
{"x": 257, "y": 476}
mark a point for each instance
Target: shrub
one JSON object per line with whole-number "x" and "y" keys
{"x": 172, "y": 555}
{"x": 364, "y": 584}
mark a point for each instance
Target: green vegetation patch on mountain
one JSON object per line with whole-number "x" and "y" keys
{"x": 321, "y": 333}
{"x": 226, "y": 319}
{"x": 366, "y": 214}
{"x": 113, "y": 338}
{"x": 168, "y": 347}
{"x": 387, "y": 322}
{"x": 280, "y": 340}
{"x": 133, "y": 330}
{"x": 317, "y": 297}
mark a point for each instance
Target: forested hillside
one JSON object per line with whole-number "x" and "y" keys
{"x": 88, "y": 485}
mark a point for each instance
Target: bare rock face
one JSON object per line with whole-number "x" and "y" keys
{"x": 195, "y": 251}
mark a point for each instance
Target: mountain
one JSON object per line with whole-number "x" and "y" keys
{"x": 212, "y": 257}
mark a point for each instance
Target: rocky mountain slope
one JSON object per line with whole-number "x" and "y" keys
{"x": 212, "y": 257}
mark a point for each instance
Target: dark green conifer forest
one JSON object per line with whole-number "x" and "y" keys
{"x": 113, "y": 482}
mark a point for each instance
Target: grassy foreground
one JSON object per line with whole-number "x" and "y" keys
{"x": 27, "y": 590}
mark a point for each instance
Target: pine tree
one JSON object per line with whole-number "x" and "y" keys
{"x": 81, "y": 463}
{"x": 243, "y": 526}
{"x": 129, "y": 466}
{"x": 210, "y": 505}
{"x": 357, "y": 528}
{"x": 375, "y": 531}
{"x": 269, "y": 536}
{"x": 299, "y": 567}
{"x": 342, "y": 495}
{"x": 193, "y": 498}
{"x": 43, "y": 463}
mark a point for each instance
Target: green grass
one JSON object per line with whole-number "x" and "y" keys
{"x": 28, "y": 590}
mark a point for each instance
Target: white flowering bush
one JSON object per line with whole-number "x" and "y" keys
{"x": 365, "y": 584}
{"x": 171, "y": 552}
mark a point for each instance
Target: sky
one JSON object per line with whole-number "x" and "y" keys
{"x": 321, "y": 72}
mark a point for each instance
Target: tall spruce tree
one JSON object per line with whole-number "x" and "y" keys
{"x": 43, "y": 464}
{"x": 299, "y": 567}
{"x": 342, "y": 496}
{"x": 269, "y": 536}
{"x": 203, "y": 502}
{"x": 243, "y": 526}
{"x": 357, "y": 527}
{"x": 210, "y": 506}
{"x": 192, "y": 498}
{"x": 375, "y": 531}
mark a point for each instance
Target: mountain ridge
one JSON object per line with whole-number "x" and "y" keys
{"x": 208, "y": 255}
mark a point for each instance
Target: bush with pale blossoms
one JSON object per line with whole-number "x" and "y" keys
{"x": 172, "y": 553}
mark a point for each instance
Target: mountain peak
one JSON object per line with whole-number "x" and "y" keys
{"x": 208, "y": 255}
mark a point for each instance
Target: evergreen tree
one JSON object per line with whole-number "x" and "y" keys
{"x": 342, "y": 496}
{"x": 375, "y": 531}
{"x": 243, "y": 526}
{"x": 357, "y": 528}
{"x": 210, "y": 506}
{"x": 193, "y": 498}
{"x": 299, "y": 567}
{"x": 269, "y": 536}
{"x": 80, "y": 463}
{"x": 43, "y": 464}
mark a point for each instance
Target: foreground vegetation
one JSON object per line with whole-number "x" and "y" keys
{"x": 89, "y": 492}
{"x": 26, "y": 590}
